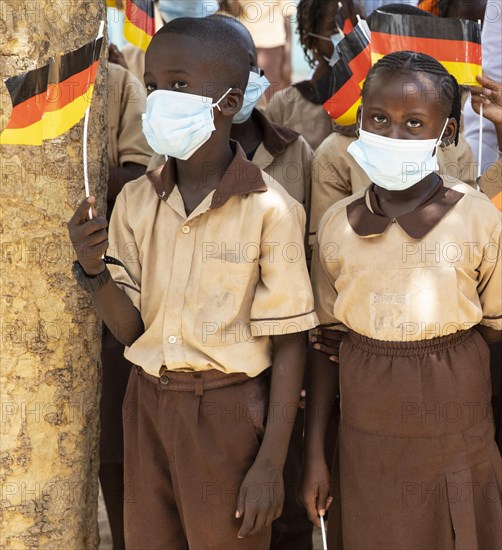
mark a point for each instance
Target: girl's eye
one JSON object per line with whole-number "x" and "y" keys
{"x": 379, "y": 119}
{"x": 151, "y": 87}
{"x": 413, "y": 123}
{"x": 179, "y": 84}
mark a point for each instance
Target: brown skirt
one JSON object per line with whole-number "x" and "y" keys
{"x": 418, "y": 464}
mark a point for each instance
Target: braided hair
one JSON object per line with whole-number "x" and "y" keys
{"x": 309, "y": 15}
{"x": 412, "y": 63}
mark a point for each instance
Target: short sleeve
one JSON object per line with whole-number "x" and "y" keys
{"x": 123, "y": 247}
{"x": 283, "y": 301}
{"x": 132, "y": 144}
{"x": 332, "y": 176}
{"x": 490, "y": 281}
{"x": 324, "y": 273}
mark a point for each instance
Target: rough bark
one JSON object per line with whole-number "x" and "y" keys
{"x": 50, "y": 337}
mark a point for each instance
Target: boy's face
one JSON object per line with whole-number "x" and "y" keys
{"x": 405, "y": 107}
{"x": 173, "y": 62}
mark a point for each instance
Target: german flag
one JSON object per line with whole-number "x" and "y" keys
{"x": 348, "y": 75}
{"x": 346, "y": 98}
{"x": 343, "y": 21}
{"x": 455, "y": 43}
{"x": 71, "y": 84}
{"x": 139, "y": 25}
{"x": 28, "y": 93}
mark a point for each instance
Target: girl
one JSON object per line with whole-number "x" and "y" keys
{"x": 298, "y": 107}
{"x": 410, "y": 270}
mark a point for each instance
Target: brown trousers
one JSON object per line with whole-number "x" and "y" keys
{"x": 189, "y": 441}
{"x": 418, "y": 463}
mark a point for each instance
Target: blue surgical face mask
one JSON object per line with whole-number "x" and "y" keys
{"x": 335, "y": 40}
{"x": 395, "y": 164}
{"x": 255, "y": 89}
{"x": 177, "y": 124}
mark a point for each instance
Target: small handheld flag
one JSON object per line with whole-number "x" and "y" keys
{"x": 348, "y": 75}
{"x": 455, "y": 43}
{"x": 139, "y": 25}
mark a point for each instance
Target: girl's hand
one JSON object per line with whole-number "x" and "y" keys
{"x": 490, "y": 96}
{"x": 327, "y": 341}
{"x": 314, "y": 489}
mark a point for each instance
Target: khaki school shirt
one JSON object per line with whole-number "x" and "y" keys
{"x": 291, "y": 108}
{"x": 135, "y": 59}
{"x": 126, "y": 103}
{"x": 429, "y": 273}
{"x": 336, "y": 174}
{"x": 283, "y": 154}
{"x": 491, "y": 183}
{"x": 265, "y": 20}
{"x": 214, "y": 286}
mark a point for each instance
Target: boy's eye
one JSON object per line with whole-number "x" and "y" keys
{"x": 179, "y": 84}
{"x": 151, "y": 87}
{"x": 379, "y": 119}
{"x": 414, "y": 123}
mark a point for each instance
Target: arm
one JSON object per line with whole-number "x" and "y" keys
{"x": 90, "y": 241}
{"x": 322, "y": 387}
{"x": 267, "y": 470}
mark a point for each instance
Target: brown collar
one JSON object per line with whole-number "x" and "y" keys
{"x": 242, "y": 177}
{"x": 368, "y": 220}
{"x": 276, "y": 138}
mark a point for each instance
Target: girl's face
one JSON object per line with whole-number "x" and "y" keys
{"x": 324, "y": 48}
{"x": 406, "y": 106}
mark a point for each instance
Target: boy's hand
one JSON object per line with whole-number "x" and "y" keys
{"x": 314, "y": 490}
{"x": 89, "y": 237}
{"x": 260, "y": 500}
{"x": 327, "y": 341}
{"x": 490, "y": 96}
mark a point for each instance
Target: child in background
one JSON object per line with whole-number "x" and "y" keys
{"x": 202, "y": 306}
{"x": 298, "y": 106}
{"x": 410, "y": 270}
{"x": 128, "y": 157}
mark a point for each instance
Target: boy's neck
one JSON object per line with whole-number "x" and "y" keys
{"x": 397, "y": 203}
{"x": 206, "y": 167}
{"x": 249, "y": 134}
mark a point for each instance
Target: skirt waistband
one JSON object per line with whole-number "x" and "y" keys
{"x": 196, "y": 382}
{"x": 418, "y": 347}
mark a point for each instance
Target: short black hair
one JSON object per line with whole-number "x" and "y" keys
{"x": 309, "y": 14}
{"x": 413, "y": 63}
{"x": 244, "y": 33}
{"x": 221, "y": 46}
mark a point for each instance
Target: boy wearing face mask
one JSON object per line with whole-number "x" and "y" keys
{"x": 195, "y": 289}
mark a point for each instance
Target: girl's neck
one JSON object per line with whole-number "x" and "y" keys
{"x": 397, "y": 203}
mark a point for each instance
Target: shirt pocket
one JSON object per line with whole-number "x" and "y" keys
{"x": 225, "y": 296}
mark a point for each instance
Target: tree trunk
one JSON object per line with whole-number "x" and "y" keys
{"x": 50, "y": 338}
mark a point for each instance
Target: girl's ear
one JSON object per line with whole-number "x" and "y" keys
{"x": 449, "y": 132}
{"x": 231, "y": 104}
{"x": 359, "y": 115}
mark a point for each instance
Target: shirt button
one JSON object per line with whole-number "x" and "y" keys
{"x": 393, "y": 221}
{"x": 185, "y": 229}
{"x": 164, "y": 380}
{"x": 172, "y": 339}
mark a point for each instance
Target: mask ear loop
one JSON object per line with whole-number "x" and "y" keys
{"x": 438, "y": 142}
{"x": 217, "y": 104}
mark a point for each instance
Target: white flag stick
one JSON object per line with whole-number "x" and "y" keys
{"x": 86, "y": 132}
{"x": 323, "y": 533}
{"x": 480, "y": 144}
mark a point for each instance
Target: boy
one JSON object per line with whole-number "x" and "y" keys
{"x": 205, "y": 311}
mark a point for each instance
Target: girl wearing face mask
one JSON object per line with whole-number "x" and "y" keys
{"x": 299, "y": 107}
{"x": 408, "y": 276}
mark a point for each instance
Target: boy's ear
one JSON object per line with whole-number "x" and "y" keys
{"x": 231, "y": 104}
